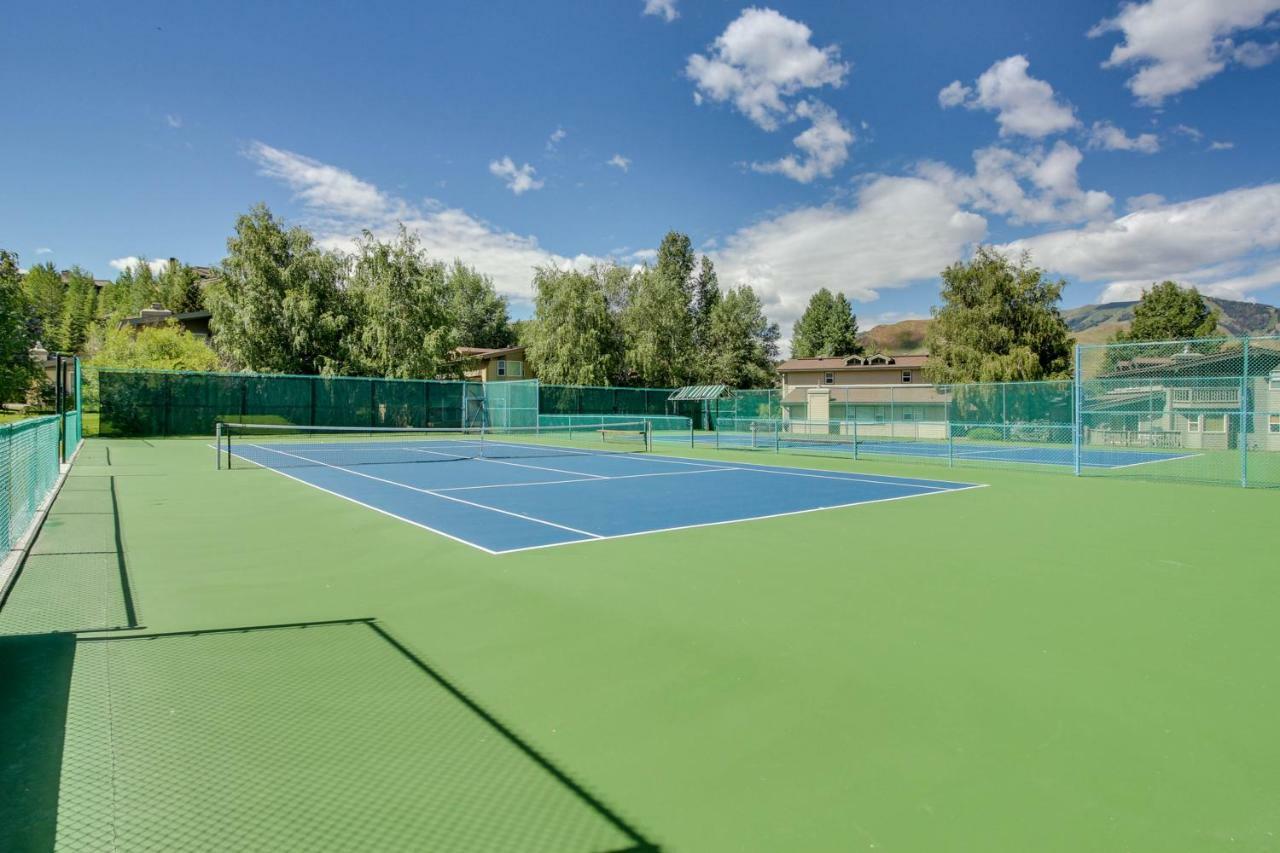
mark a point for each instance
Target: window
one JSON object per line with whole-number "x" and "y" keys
{"x": 1193, "y": 423}
{"x": 502, "y": 367}
{"x": 1274, "y": 383}
{"x": 1273, "y": 424}
{"x": 515, "y": 368}
{"x": 828, "y": 378}
{"x": 906, "y": 376}
{"x": 908, "y": 416}
{"x": 1214, "y": 423}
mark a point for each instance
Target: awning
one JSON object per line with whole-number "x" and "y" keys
{"x": 698, "y": 392}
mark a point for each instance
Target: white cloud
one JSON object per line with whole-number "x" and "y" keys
{"x": 174, "y": 121}
{"x": 1226, "y": 244}
{"x": 519, "y": 179}
{"x": 553, "y": 141}
{"x": 1143, "y": 202}
{"x": 620, "y": 162}
{"x": 1189, "y": 131}
{"x": 1107, "y": 136}
{"x": 1178, "y": 44}
{"x": 665, "y": 9}
{"x": 760, "y": 60}
{"x": 1221, "y": 146}
{"x": 1023, "y": 105}
{"x": 339, "y": 205}
{"x": 825, "y": 146}
{"x": 132, "y": 262}
{"x": 898, "y": 231}
{"x": 44, "y": 251}
{"x": 1037, "y": 186}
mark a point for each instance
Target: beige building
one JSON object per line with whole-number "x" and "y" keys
{"x": 877, "y": 391}
{"x": 481, "y": 364}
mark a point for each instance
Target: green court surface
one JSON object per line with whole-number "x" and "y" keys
{"x": 1049, "y": 664}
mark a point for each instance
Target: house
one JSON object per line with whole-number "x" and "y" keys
{"x": 1187, "y": 400}
{"x": 195, "y": 322}
{"x": 877, "y": 389}
{"x": 484, "y": 364}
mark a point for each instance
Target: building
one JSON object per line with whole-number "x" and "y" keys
{"x": 195, "y": 322}
{"x": 1187, "y": 400}
{"x": 484, "y": 364}
{"x": 869, "y": 389}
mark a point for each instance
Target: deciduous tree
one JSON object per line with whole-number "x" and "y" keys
{"x": 1168, "y": 312}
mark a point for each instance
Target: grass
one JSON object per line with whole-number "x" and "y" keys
{"x": 1050, "y": 663}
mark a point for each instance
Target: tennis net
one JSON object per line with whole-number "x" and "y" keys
{"x": 288, "y": 446}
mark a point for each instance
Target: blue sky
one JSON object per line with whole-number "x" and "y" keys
{"x": 858, "y": 146}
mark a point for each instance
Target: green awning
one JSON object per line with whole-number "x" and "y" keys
{"x": 698, "y": 392}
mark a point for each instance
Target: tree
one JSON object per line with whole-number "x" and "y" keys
{"x": 706, "y": 295}
{"x": 164, "y": 347}
{"x": 572, "y": 339}
{"x": 45, "y": 293}
{"x": 77, "y": 310}
{"x": 999, "y": 322}
{"x": 278, "y": 305}
{"x": 742, "y": 345}
{"x": 828, "y": 327}
{"x": 1168, "y": 312}
{"x": 400, "y": 310}
{"x": 675, "y": 263}
{"x": 178, "y": 288}
{"x": 18, "y": 327}
{"x": 479, "y": 314}
{"x": 658, "y": 332}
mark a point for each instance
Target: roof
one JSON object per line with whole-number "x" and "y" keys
{"x": 485, "y": 352}
{"x": 698, "y": 392}
{"x": 148, "y": 319}
{"x": 1206, "y": 365}
{"x": 876, "y": 361}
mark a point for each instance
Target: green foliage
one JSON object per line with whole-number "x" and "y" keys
{"x": 78, "y": 307}
{"x": 706, "y": 295}
{"x": 278, "y": 306}
{"x": 999, "y": 322}
{"x": 178, "y": 288}
{"x": 399, "y": 306}
{"x": 573, "y": 337}
{"x": 479, "y": 314}
{"x": 164, "y": 347}
{"x": 675, "y": 262}
{"x": 45, "y": 292}
{"x": 658, "y": 330}
{"x": 828, "y": 327}
{"x": 18, "y": 327}
{"x": 1168, "y": 312}
{"x": 741, "y": 343}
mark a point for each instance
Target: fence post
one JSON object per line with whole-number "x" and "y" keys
{"x": 1077, "y": 416}
{"x": 1244, "y": 419}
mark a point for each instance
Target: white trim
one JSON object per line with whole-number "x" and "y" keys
{"x": 1149, "y": 462}
{"x": 429, "y": 492}
{"x": 582, "y": 480}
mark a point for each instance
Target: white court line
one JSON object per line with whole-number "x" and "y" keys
{"x": 506, "y": 462}
{"x": 584, "y": 480}
{"x": 964, "y": 488}
{"x": 1149, "y": 461}
{"x": 429, "y": 492}
{"x": 371, "y": 506}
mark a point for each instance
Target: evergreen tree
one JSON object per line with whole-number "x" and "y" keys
{"x": 706, "y": 295}
{"x": 675, "y": 263}
{"x": 78, "y": 308}
{"x": 999, "y": 322}
{"x": 46, "y": 292}
{"x": 178, "y": 288}
{"x": 1168, "y": 312}
{"x": 828, "y": 327}
{"x": 18, "y": 328}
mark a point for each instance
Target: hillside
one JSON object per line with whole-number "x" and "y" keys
{"x": 1091, "y": 324}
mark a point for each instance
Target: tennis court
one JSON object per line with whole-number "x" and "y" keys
{"x": 518, "y": 490}
{"x": 1013, "y": 451}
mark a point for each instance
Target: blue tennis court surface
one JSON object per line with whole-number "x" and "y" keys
{"x": 542, "y": 497}
{"x": 1025, "y": 453}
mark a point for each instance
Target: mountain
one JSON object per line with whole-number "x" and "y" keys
{"x": 1091, "y": 324}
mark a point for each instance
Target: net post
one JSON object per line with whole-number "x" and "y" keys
{"x": 647, "y": 428}
{"x": 951, "y": 445}
{"x": 692, "y": 444}
{"x": 1077, "y": 416}
{"x": 855, "y": 435}
{"x": 1244, "y": 419}
{"x": 217, "y": 443}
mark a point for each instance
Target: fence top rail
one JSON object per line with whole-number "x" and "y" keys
{"x": 1183, "y": 342}
{"x": 31, "y": 423}
{"x": 250, "y": 375}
